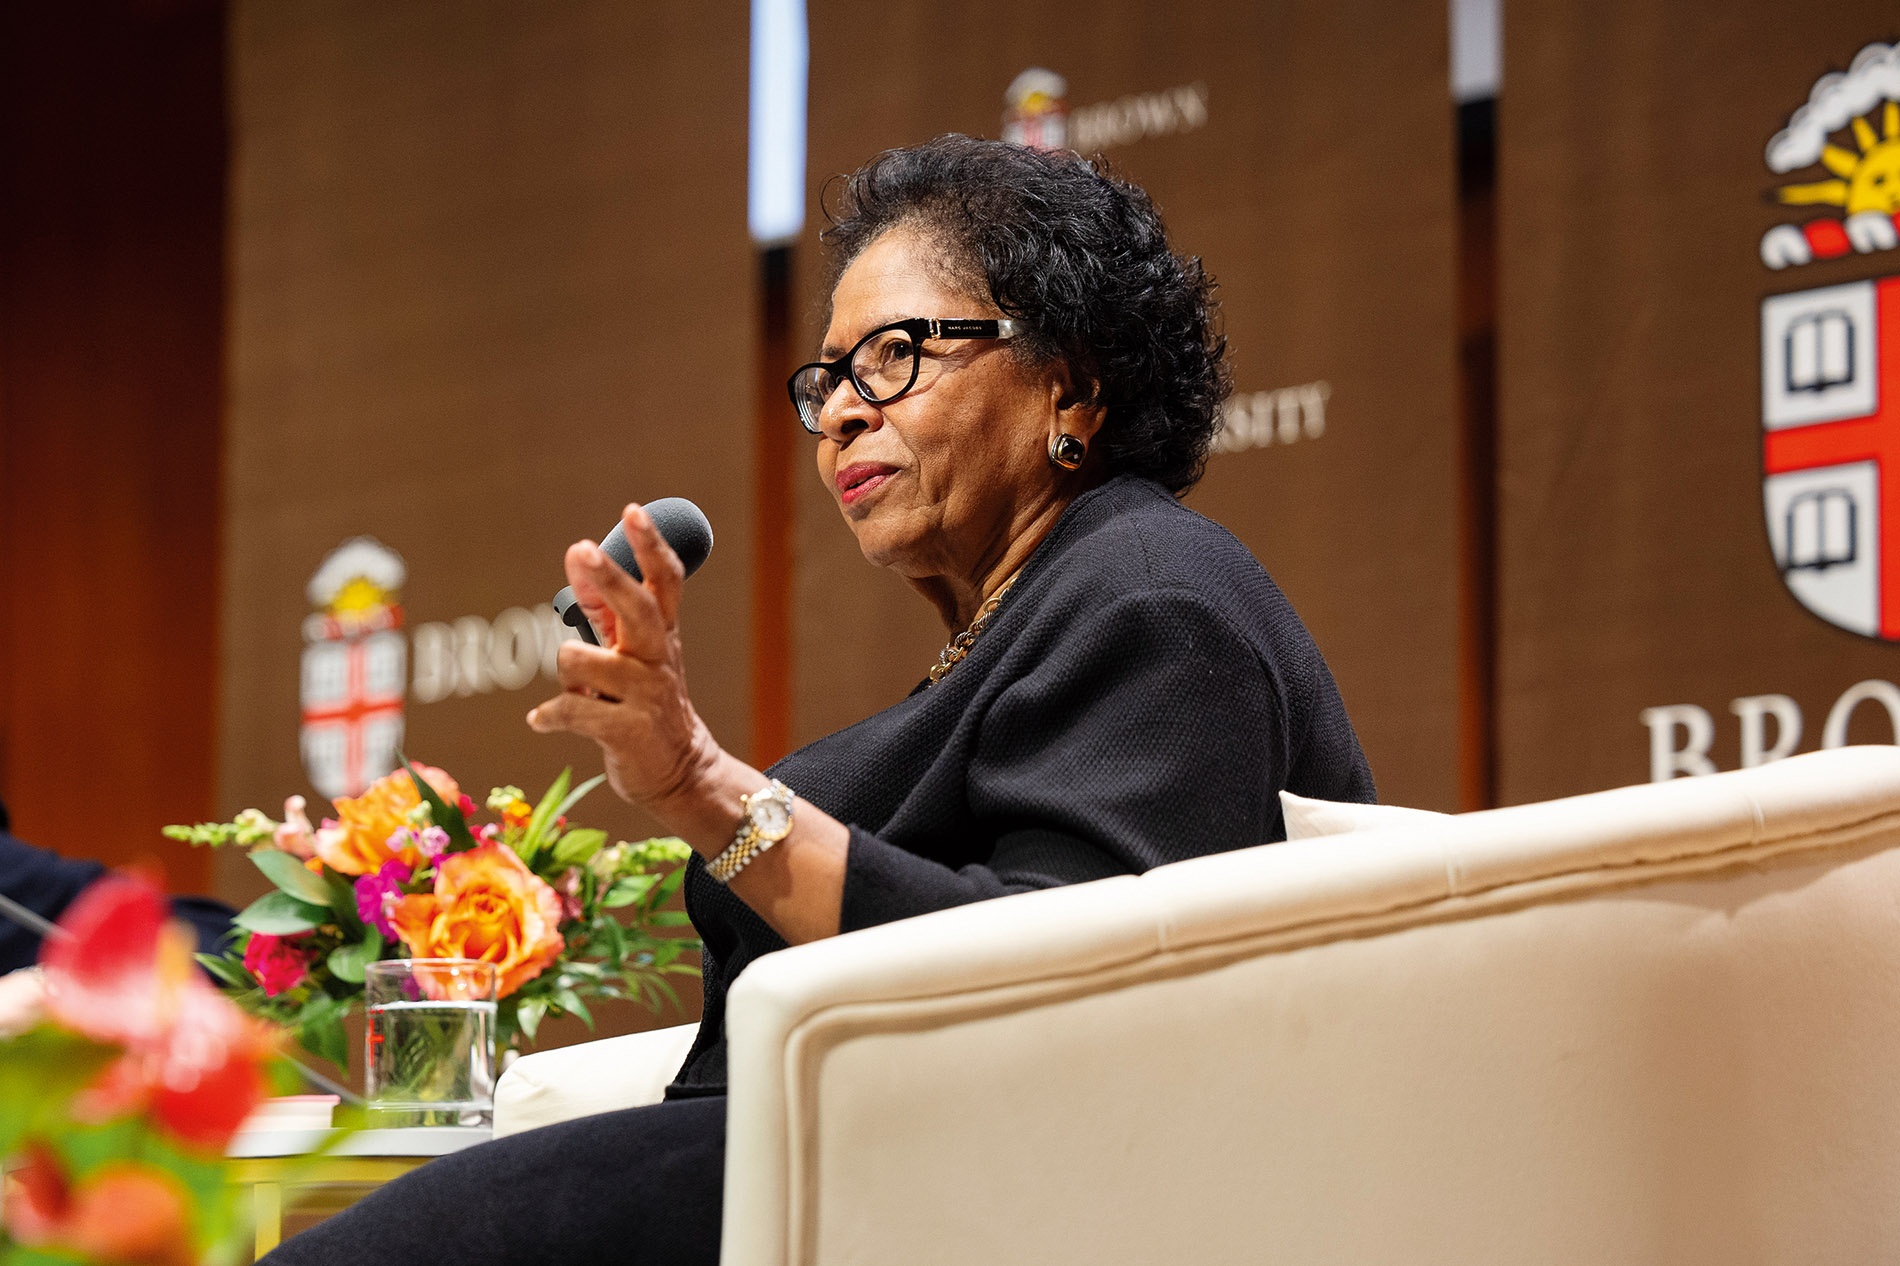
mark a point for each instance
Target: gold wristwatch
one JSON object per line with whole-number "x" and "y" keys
{"x": 767, "y": 819}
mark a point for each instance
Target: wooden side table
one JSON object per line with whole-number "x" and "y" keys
{"x": 274, "y": 1163}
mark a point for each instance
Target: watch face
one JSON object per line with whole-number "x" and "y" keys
{"x": 772, "y": 817}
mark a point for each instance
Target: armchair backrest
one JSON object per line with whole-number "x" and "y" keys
{"x": 1659, "y": 1024}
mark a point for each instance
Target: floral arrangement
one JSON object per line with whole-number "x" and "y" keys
{"x": 116, "y": 1109}
{"x": 405, "y": 871}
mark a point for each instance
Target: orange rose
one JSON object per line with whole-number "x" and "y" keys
{"x": 358, "y": 844}
{"x": 487, "y": 904}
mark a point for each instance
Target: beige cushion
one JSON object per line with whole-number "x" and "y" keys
{"x": 577, "y": 1081}
{"x": 1655, "y": 1025}
{"x": 1308, "y": 819}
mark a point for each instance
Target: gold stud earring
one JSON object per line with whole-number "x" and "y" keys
{"x": 1067, "y": 451}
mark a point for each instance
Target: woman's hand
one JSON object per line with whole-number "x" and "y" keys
{"x": 629, "y": 693}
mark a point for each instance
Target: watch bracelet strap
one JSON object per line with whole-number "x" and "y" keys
{"x": 735, "y": 856}
{"x": 746, "y": 846}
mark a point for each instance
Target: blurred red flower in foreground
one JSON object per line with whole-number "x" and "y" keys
{"x": 125, "y": 977}
{"x": 123, "y": 1211}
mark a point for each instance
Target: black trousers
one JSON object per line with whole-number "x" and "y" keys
{"x": 641, "y": 1186}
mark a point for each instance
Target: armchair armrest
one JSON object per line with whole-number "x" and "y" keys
{"x": 1658, "y": 1019}
{"x": 578, "y": 1081}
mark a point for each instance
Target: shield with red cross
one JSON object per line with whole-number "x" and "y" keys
{"x": 355, "y": 665}
{"x": 1831, "y": 450}
{"x": 352, "y": 709}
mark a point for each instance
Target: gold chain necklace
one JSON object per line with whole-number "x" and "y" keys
{"x": 959, "y": 646}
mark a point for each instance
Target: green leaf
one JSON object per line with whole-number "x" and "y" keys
{"x": 280, "y": 914}
{"x": 320, "y": 1030}
{"x": 229, "y": 972}
{"x": 214, "y": 834}
{"x": 570, "y": 1002}
{"x": 348, "y": 961}
{"x": 283, "y": 1077}
{"x": 292, "y": 876}
{"x": 342, "y": 903}
{"x": 448, "y": 817}
{"x": 40, "y": 1073}
{"x": 529, "y": 1014}
{"x": 575, "y": 796}
{"x": 615, "y": 938}
{"x": 629, "y": 890}
{"x": 671, "y": 884}
{"x": 543, "y": 815}
{"x": 577, "y": 846}
{"x": 669, "y": 919}
{"x": 660, "y": 988}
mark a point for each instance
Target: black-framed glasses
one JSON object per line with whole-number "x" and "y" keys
{"x": 884, "y": 364}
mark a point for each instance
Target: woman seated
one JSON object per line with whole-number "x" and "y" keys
{"x": 1018, "y": 382}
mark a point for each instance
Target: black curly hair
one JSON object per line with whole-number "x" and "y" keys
{"x": 1081, "y": 258}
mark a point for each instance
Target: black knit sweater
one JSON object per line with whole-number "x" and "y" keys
{"x": 1141, "y": 696}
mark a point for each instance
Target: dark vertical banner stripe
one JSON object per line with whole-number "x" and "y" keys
{"x": 112, "y": 171}
{"x": 772, "y": 556}
{"x": 1477, "y": 454}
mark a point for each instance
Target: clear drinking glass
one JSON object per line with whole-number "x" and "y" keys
{"x": 430, "y": 1047}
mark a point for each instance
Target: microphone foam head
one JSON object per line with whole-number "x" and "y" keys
{"x": 680, "y": 522}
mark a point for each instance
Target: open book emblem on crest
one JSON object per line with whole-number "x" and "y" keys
{"x": 354, "y": 665}
{"x": 1831, "y": 450}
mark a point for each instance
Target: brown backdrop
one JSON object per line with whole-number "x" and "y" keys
{"x": 1635, "y": 569}
{"x": 490, "y": 280}
{"x": 1319, "y": 189}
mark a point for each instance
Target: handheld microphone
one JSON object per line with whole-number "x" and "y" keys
{"x": 681, "y": 524}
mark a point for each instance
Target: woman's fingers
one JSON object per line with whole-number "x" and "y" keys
{"x": 597, "y": 671}
{"x": 665, "y": 574}
{"x": 620, "y": 608}
{"x": 629, "y": 694}
{"x": 572, "y": 713}
{"x": 580, "y": 576}
{"x": 650, "y": 750}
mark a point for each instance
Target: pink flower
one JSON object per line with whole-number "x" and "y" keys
{"x": 377, "y": 894}
{"x": 569, "y": 887}
{"x": 466, "y": 804}
{"x": 295, "y": 836}
{"x": 125, "y": 976}
{"x": 433, "y": 842}
{"x": 489, "y": 834}
{"x": 277, "y": 962}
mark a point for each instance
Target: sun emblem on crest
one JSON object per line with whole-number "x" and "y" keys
{"x": 1867, "y": 178}
{"x": 1037, "y": 113}
{"x": 1848, "y": 132}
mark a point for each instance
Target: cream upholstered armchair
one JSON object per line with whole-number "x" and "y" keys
{"x": 1658, "y": 1024}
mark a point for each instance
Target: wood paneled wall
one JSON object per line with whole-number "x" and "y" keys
{"x": 490, "y": 281}
{"x": 1636, "y": 570}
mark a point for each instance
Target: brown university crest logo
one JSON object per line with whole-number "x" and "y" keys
{"x": 355, "y": 662}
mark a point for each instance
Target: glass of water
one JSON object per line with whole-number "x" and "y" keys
{"x": 430, "y": 1047}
